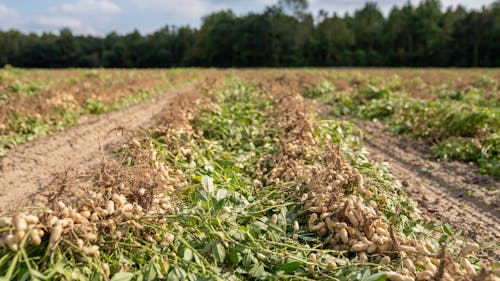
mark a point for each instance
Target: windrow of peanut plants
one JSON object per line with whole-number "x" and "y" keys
{"x": 461, "y": 125}
{"x": 34, "y": 103}
{"x": 249, "y": 187}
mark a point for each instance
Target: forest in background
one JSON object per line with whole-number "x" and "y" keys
{"x": 283, "y": 35}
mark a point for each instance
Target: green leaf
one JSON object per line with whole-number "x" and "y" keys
{"x": 159, "y": 270}
{"x": 366, "y": 274}
{"x": 150, "y": 274}
{"x": 188, "y": 255}
{"x": 208, "y": 184}
{"x": 234, "y": 257}
{"x": 176, "y": 273}
{"x": 447, "y": 229}
{"x": 257, "y": 271}
{"x": 260, "y": 225}
{"x": 122, "y": 276}
{"x": 379, "y": 276}
{"x": 283, "y": 214}
{"x": 290, "y": 267}
{"x": 25, "y": 276}
{"x": 248, "y": 260}
{"x": 197, "y": 260}
{"x": 219, "y": 252}
{"x": 221, "y": 194}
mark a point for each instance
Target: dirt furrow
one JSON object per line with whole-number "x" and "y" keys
{"x": 442, "y": 193}
{"x": 29, "y": 167}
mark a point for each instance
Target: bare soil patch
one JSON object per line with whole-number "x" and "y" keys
{"x": 447, "y": 192}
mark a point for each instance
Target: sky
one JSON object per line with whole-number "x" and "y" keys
{"x": 100, "y": 17}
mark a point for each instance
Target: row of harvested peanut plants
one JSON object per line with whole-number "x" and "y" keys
{"x": 239, "y": 182}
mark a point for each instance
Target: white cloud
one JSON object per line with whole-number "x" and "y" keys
{"x": 51, "y": 23}
{"x": 471, "y": 4}
{"x": 8, "y": 17}
{"x": 181, "y": 12}
{"x": 81, "y": 16}
{"x": 88, "y": 6}
{"x": 342, "y": 6}
{"x": 6, "y": 11}
{"x": 188, "y": 10}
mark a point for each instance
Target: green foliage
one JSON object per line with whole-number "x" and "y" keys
{"x": 463, "y": 123}
{"x": 377, "y": 109}
{"x": 486, "y": 153}
{"x": 132, "y": 99}
{"x": 95, "y": 106}
{"x": 27, "y": 89}
{"x": 344, "y": 105}
{"x": 65, "y": 118}
{"x": 457, "y": 149}
{"x": 28, "y": 126}
{"x": 24, "y": 128}
{"x": 369, "y": 103}
{"x": 371, "y": 92}
{"x": 458, "y": 129}
{"x": 471, "y": 96}
{"x": 323, "y": 88}
{"x": 439, "y": 121}
{"x": 486, "y": 82}
{"x": 22, "y": 96}
{"x": 490, "y": 160}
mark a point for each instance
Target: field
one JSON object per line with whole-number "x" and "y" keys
{"x": 268, "y": 174}
{"x": 36, "y": 102}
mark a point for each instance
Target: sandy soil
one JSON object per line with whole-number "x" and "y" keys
{"x": 448, "y": 192}
{"x": 32, "y": 166}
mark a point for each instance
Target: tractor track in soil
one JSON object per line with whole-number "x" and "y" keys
{"x": 29, "y": 168}
{"x": 446, "y": 192}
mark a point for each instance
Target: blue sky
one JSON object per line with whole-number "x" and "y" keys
{"x": 99, "y": 17}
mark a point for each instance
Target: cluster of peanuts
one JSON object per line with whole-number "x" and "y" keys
{"x": 94, "y": 217}
{"x": 26, "y": 227}
{"x": 353, "y": 222}
{"x": 295, "y": 140}
{"x": 179, "y": 118}
{"x": 62, "y": 99}
{"x": 110, "y": 211}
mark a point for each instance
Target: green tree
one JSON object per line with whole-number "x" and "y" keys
{"x": 332, "y": 41}
{"x": 367, "y": 25}
{"x": 214, "y": 45}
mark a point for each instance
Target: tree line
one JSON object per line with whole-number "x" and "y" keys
{"x": 284, "y": 34}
